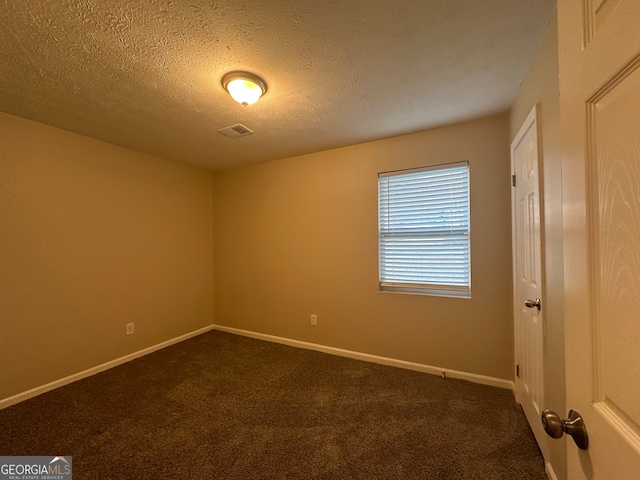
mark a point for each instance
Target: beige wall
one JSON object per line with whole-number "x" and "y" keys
{"x": 540, "y": 86}
{"x": 299, "y": 236}
{"x": 93, "y": 236}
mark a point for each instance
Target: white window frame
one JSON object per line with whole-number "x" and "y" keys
{"x": 461, "y": 286}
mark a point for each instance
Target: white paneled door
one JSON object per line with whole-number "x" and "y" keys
{"x": 599, "y": 50}
{"x": 527, "y": 276}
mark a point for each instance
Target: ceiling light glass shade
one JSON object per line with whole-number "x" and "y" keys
{"x": 243, "y": 87}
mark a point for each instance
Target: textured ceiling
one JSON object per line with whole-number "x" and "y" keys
{"x": 146, "y": 74}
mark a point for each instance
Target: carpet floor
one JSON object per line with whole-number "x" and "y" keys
{"x": 222, "y": 406}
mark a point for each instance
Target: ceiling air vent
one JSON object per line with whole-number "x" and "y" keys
{"x": 235, "y": 131}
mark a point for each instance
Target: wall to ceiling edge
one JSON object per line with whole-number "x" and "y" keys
{"x": 540, "y": 86}
{"x": 298, "y": 236}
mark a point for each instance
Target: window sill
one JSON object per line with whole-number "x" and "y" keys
{"x": 425, "y": 291}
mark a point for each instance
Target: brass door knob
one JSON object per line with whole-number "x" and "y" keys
{"x": 574, "y": 426}
{"x": 532, "y": 303}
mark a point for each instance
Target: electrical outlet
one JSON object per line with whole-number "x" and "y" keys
{"x": 130, "y": 328}
{"x": 314, "y": 319}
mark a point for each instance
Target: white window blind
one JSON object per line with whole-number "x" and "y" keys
{"x": 423, "y": 230}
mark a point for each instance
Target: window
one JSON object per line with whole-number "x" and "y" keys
{"x": 423, "y": 230}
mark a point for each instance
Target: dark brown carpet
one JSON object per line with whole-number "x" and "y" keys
{"x": 221, "y": 406}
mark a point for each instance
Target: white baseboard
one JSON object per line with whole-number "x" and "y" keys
{"x": 472, "y": 377}
{"x": 21, "y": 397}
{"x": 550, "y": 473}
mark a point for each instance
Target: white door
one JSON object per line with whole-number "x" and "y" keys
{"x": 599, "y": 60}
{"x": 527, "y": 276}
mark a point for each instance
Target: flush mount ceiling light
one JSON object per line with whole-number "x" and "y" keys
{"x": 244, "y": 88}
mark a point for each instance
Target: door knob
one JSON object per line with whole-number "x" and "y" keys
{"x": 574, "y": 426}
{"x": 532, "y": 303}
